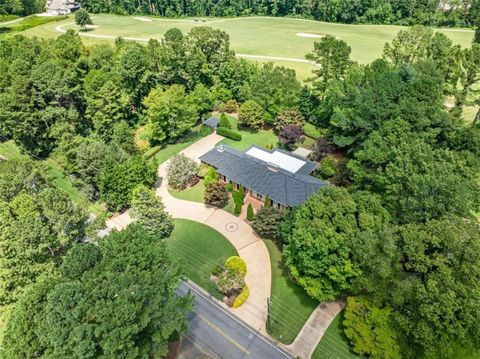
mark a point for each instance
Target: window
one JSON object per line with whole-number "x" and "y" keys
{"x": 258, "y": 195}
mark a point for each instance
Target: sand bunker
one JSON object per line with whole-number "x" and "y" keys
{"x": 306, "y": 34}
{"x": 142, "y": 19}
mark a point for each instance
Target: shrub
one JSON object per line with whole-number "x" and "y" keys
{"x": 267, "y": 221}
{"x": 151, "y": 152}
{"x": 250, "y": 214}
{"x": 230, "y": 186}
{"x": 251, "y": 115}
{"x": 236, "y": 263}
{"x": 230, "y": 282}
{"x": 313, "y": 132}
{"x": 211, "y": 176}
{"x": 266, "y": 202}
{"x": 242, "y": 297}
{"x": 225, "y": 132}
{"x": 217, "y": 269}
{"x": 181, "y": 171}
{"x": 237, "y": 197}
{"x": 219, "y": 106}
{"x": 231, "y": 106}
{"x": 238, "y": 209}
{"x": 224, "y": 122}
{"x": 216, "y": 194}
{"x": 242, "y": 191}
{"x": 203, "y": 170}
{"x": 327, "y": 168}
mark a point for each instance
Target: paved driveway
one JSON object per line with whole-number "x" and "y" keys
{"x": 248, "y": 245}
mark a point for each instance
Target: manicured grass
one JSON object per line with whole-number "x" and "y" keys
{"x": 199, "y": 248}
{"x": 290, "y": 304}
{"x": 195, "y": 194}
{"x": 267, "y": 36}
{"x": 30, "y": 22}
{"x": 259, "y": 138}
{"x": 9, "y": 150}
{"x": 334, "y": 343}
{"x": 193, "y": 136}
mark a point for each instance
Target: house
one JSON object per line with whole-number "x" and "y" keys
{"x": 276, "y": 175}
{"x": 212, "y": 122}
{"x": 61, "y": 7}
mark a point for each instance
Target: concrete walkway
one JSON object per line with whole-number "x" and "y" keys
{"x": 313, "y": 330}
{"x": 248, "y": 245}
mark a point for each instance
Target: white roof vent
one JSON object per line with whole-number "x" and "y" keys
{"x": 273, "y": 167}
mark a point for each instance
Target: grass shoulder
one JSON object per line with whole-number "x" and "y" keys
{"x": 290, "y": 304}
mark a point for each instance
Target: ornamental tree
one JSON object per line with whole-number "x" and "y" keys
{"x": 216, "y": 194}
{"x": 149, "y": 211}
{"x": 181, "y": 171}
{"x": 290, "y": 135}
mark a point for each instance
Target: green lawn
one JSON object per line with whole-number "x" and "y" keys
{"x": 259, "y": 138}
{"x": 260, "y": 36}
{"x": 334, "y": 344}
{"x": 193, "y": 136}
{"x": 199, "y": 248}
{"x": 59, "y": 178}
{"x": 195, "y": 194}
{"x": 290, "y": 304}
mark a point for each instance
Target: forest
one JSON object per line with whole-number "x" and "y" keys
{"x": 396, "y": 232}
{"x": 401, "y": 12}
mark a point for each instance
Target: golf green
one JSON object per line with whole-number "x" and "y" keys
{"x": 282, "y": 40}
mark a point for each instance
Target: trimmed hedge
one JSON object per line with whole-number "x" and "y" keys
{"x": 233, "y": 135}
{"x": 242, "y": 297}
{"x": 151, "y": 152}
{"x": 236, "y": 263}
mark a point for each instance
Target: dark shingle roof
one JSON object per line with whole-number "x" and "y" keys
{"x": 212, "y": 122}
{"x": 279, "y": 185}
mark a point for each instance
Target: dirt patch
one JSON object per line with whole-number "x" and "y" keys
{"x": 307, "y": 34}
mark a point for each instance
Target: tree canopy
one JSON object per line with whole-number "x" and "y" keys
{"x": 95, "y": 309}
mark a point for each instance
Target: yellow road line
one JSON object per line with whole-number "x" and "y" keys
{"x": 231, "y": 340}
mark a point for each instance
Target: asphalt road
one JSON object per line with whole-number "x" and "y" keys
{"x": 223, "y": 335}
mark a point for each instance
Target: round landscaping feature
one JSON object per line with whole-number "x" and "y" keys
{"x": 231, "y": 226}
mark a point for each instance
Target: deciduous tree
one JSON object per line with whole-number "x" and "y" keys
{"x": 169, "y": 115}
{"x": 251, "y": 115}
{"x": 317, "y": 250}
